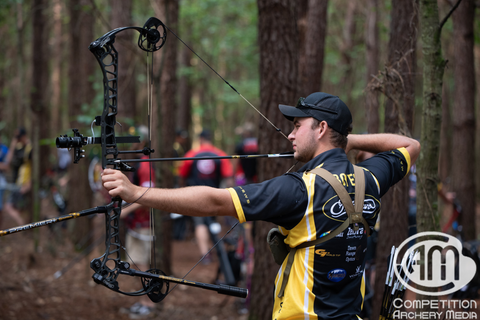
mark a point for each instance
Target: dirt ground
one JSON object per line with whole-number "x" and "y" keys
{"x": 29, "y": 290}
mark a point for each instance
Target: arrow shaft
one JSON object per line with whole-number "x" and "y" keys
{"x": 248, "y": 156}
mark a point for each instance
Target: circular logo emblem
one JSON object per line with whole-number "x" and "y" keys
{"x": 434, "y": 262}
{"x": 206, "y": 166}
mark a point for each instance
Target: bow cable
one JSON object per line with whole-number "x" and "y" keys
{"x": 251, "y": 105}
{"x": 206, "y": 254}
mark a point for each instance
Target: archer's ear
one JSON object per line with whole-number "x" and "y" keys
{"x": 322, "y": 129}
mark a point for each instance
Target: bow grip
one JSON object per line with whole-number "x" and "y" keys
{"x": 232, "y": 291}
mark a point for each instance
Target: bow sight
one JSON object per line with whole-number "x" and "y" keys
{"x": 78, "y": 141}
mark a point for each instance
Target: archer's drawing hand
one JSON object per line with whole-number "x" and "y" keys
{"x": 118, "y": 185}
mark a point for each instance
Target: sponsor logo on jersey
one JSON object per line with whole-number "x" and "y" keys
{"x": 358, "y": 271}
{"x": 336, "y": 275}
{"x": 323, "y": 253}
{"x": 337, "y": 209}
{"x": 358, "y": 234}
{"x": 351, "y": 253}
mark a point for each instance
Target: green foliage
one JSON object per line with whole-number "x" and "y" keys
{"x": 476, "y": 26}
{"x": 225, "y": 36}
{"x": 90, "y": 111}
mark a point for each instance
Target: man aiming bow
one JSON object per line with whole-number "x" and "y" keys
{"x": 321, "y": 280}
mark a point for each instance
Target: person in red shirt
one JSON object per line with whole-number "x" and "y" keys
{"x": 205, "y": 172}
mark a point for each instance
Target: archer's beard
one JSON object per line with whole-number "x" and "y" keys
{"x": 302, "y": 157}
{"x": 305, "y": 152}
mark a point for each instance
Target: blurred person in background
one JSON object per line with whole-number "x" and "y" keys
{"x": 3, "y": 171}
{"x": 206, "y": 172}
{"x": 246, "y": 169}
{"x": 19, "y": 157}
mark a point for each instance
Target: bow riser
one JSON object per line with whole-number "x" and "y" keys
{"x": 108, "y": 117}
{"x": 109, "y": 266}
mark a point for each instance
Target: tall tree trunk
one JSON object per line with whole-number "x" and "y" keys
{"x": 372, "y": 56}
{"x": 122, "y": 17}
{"x": 184, "y": 112}
{"x": 427, "y": 165}
{"x": 39, "y": 105}
{"x": 464, "y": 116}
{"x": 302, "y": 27}
{"x": 399, "y": 79}
{"x": 80, "y": 91}
{"x": 168, "y": 107}
{"x": 55, "y": 121}
{"x": 20, "y": 92}
{"x": 158, "y": 66}
{"x": 278, "y": 42}
{"x": 346, "y": 47}
{"x": 445, "y": 156}
{"x": 311, "y": 66}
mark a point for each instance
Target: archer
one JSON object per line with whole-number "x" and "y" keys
{"x": 315, "y": 279}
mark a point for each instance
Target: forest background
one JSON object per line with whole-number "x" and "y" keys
{"x": 370, "y": 53}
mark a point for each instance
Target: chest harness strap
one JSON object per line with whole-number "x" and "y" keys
{"x": 355, "y": 214}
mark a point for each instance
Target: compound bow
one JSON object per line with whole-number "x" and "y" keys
{"x": 108, "y": 267}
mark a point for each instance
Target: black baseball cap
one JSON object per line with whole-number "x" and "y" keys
{"x": 206, "y": 134}
{"x": 323, "y": 107}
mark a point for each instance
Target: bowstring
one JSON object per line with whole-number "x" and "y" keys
{"x": 153, "y": 260}
{"x": 150, "y": 119}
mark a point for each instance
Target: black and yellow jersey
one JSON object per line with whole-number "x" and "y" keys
{"x": 326, "y": 281}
